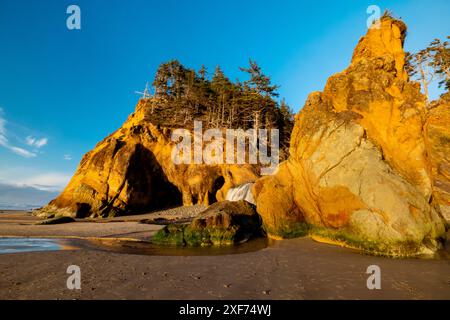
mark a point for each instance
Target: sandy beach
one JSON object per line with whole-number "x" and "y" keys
{"x": 288, "y": 269}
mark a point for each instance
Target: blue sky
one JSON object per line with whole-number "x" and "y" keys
{"x": 62, "y": 91}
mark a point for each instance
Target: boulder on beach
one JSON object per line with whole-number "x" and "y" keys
{"x": 223, "y": 223}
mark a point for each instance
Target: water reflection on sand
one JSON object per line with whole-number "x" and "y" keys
{"x": 18, "y": 245}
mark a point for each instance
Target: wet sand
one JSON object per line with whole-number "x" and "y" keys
{"x": 18, "y": 224}
{"x": 288, "y": 269}
{"x": 21, "y": 223}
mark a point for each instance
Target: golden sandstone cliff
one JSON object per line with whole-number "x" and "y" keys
{"x": 437, "y": 137}
{"x": 132, "y": 171}
{"x": 358, "y": 172}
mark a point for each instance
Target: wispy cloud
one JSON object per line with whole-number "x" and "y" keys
{"x": 20, "y": 151}
{"x": 2, "y": 123}
{"x": 17, "y": 150}
{"x": 67, "y": 157}
{"x": 38, "y": 143}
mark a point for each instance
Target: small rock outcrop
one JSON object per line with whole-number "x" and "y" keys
{"x": 358, "y": 171}
{"x": 223, "y": 223}
{"x": 57, "y": 220}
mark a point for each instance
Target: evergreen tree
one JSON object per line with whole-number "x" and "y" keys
{"x": 429, "y": 63}
{"x": 218, "y": 102}
{"x": 258, "y": 81}
{"x": 222, "y": 86}
{"x": 441, "y": 61}
{"x": 203, "y": 72}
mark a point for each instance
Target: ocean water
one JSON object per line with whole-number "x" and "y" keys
{"x": 15, "y": 245}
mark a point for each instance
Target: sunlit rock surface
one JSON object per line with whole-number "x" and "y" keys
{"x": 358, "y": 172}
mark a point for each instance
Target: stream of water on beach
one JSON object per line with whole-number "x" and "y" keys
{"x": 20, "y": 245}
{"x": 16, "y": 245}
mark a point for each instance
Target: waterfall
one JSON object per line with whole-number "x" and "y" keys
{"x": 242, "y": 192}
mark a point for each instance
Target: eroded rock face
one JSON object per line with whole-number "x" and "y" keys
{"x": 132, "y": 171}
{"x": 358, "y": 169}
{"x": 223, "y": 223}
{"x": 437, "y": 134}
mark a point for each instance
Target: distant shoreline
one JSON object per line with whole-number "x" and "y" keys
{"x": 15, "y": 210}
{"x": 18, "y": 210}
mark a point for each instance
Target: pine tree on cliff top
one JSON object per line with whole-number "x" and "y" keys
{"x": 430, "y": 63}
{"x": 183, "y": 95}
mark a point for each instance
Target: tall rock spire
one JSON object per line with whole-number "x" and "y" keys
{"x": 358, "y": 172}
{"x": 384, "y": 40}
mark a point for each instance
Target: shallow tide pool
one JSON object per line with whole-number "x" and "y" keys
{"x": 18, "y": 245}
{"x": 15, "y": 245}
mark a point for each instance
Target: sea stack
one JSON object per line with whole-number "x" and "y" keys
{"x": 359, "y": 172}
{"x": 132, "y": 171}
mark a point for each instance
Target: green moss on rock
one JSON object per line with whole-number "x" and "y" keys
{"x": 289, "y": 231}
{"x": 394, "y": 249}
{"x": 224, "y": 223}
{"x": 170, "y": 235}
